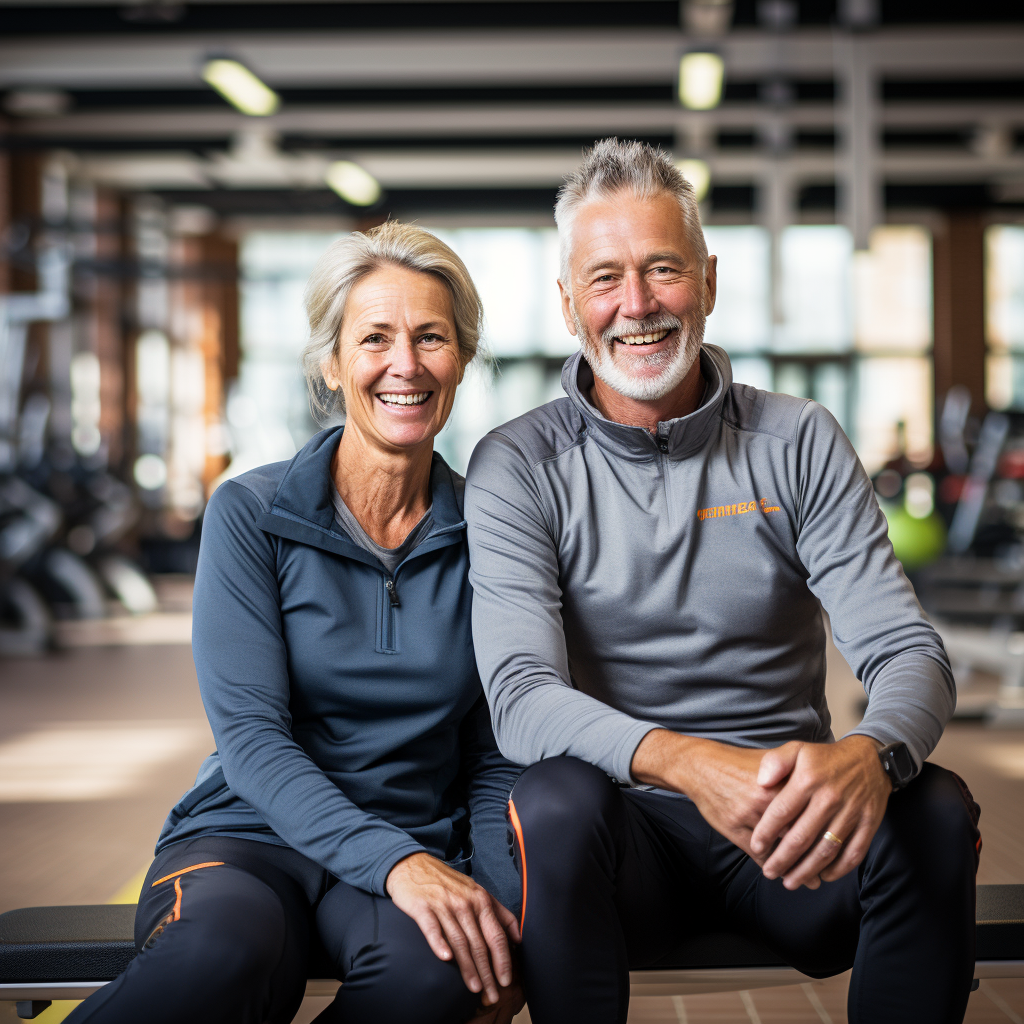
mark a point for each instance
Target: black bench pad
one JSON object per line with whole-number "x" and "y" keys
{"x": 1000, "y": 918}
{"x": 95, "y": 943}
{"x": 76, "y": 943}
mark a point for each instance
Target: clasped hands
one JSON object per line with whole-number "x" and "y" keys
{"x": 460, "y": 919}
{"x": 777, "y": 804}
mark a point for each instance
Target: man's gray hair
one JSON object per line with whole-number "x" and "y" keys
{"x": 612, "y": 166}
{"x": 352, "y": 258}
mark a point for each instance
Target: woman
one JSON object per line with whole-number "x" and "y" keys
{"x": 356, "y": 799}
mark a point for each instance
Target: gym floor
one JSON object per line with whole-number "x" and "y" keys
{"x": 97, "y": 742}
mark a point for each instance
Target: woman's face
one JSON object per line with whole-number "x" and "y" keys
{"x": 397, "y": 361}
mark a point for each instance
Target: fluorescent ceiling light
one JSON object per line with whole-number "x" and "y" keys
{"x": 700, "y": 80}
{"x": 352, "y": 183}
{"x": 698, "y": 174}
{"x": 37, "y": 102}
{"x": 240, "y": 87}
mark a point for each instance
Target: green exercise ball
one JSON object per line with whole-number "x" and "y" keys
{"x": 916, "y": 542}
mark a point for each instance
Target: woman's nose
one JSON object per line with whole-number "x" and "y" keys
{"x": 405, "y": 360}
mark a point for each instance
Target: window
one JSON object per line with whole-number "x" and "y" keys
{"x": 851, "y": 332}
{"x": 1004, "y": 316}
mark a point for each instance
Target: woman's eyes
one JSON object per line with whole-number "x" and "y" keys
{"x": 424, "y": 339}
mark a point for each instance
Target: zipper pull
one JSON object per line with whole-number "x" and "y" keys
{"x": 389, "y": 586}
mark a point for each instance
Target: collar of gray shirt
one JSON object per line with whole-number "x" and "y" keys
{"x": 390, "y": 558}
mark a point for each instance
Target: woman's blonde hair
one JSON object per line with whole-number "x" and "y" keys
{"x": 351, "y": 258}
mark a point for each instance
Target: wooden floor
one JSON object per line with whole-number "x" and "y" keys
{"x": 82, "y": 831}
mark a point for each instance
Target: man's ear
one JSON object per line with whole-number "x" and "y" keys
{"x": 710, "y": 285}
{"x": 567, "y": 316}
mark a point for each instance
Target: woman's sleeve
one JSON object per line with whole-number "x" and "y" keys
{"x": 242, "y": 666}
{"x": 489, "y": 781}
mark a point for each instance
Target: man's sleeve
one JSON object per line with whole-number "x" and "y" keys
{"x": 517, "y": 624}
{"x": 877, "y": 623}
{"x": 242, "y": 666}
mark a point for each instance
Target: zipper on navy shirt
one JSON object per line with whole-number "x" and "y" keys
{"x": 388, "y": 603}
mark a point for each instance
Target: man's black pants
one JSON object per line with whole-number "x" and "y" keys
{"x": 225, "y": 927}
{"x": 615, "y": 878}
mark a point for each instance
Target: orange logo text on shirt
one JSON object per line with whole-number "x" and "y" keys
{"x": 718, "y": 511}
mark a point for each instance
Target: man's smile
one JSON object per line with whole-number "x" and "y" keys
{"x": 642, "y": 339}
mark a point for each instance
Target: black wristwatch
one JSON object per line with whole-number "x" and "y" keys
{"x": 897, "y": 764}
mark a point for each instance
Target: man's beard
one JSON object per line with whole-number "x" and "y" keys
{"x": 675, "y": 362}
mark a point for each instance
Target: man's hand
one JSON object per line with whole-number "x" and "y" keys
{"x": 720, "y": 779}
{"x": 458, "y": 918}
{"x": 836, "y": 787}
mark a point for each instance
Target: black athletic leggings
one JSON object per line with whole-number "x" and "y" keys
{"x": 615, "y": 879}
{"x": 224, "y": 931}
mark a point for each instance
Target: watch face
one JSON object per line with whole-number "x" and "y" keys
{"x": 898, "y": 763}
{"x": 903, "y": 762}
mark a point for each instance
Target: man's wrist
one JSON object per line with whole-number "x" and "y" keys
{"x": 661, "y": 759}
{"x": 871, "y": 749}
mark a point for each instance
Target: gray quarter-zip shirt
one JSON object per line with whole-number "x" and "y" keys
{"x": 625, "y": 581}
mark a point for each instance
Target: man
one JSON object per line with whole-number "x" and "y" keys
{"x": 648, "y": 556}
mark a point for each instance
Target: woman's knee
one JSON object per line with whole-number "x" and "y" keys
{"x": 436, "y": 993}
{"x": 396, "y": 977}
{"x": 232, "y": 928}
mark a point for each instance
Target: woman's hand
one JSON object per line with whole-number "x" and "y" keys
{"x": 458, "y": 918}
{"x": 510, "y": 1002}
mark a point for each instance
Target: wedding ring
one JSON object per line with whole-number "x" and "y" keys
{"x": 833, "y": 838}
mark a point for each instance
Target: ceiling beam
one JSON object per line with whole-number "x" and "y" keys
{"x": 548, "y": 57}
{"x": 555, "y": 119}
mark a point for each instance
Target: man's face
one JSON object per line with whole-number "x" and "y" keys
{"x": 638, "y": 294}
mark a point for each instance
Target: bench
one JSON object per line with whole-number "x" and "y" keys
{"x": 49, "y": 953}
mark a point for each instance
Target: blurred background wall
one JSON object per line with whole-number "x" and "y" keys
{"x": 170, "y": 172}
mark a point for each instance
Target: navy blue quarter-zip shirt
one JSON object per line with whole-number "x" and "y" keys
{"x": 344, "y": 700}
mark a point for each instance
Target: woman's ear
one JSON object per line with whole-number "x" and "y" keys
{"x": 329, "y": 368}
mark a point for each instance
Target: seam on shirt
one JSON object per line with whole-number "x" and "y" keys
{"x": 763, "y": 431}
{"x": 533, "y": 466}
{"x": 238, "y": 482}
{"x": 576, "y": 442}
{"x": 277, "y": 510}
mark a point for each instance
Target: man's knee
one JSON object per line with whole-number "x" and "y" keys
{"x": 933, "y": 825}
{"x": 940, "y": 809}
{"x": 559, "y": 801}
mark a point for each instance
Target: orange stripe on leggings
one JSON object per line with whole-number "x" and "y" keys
{"x": 177, "y": 902}
{"x": 522, "y": 855}
{"x": 185, "y": 871}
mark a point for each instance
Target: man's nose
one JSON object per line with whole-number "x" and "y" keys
{"x": 405, "y": 358}
{"x": 638, "y": 298}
